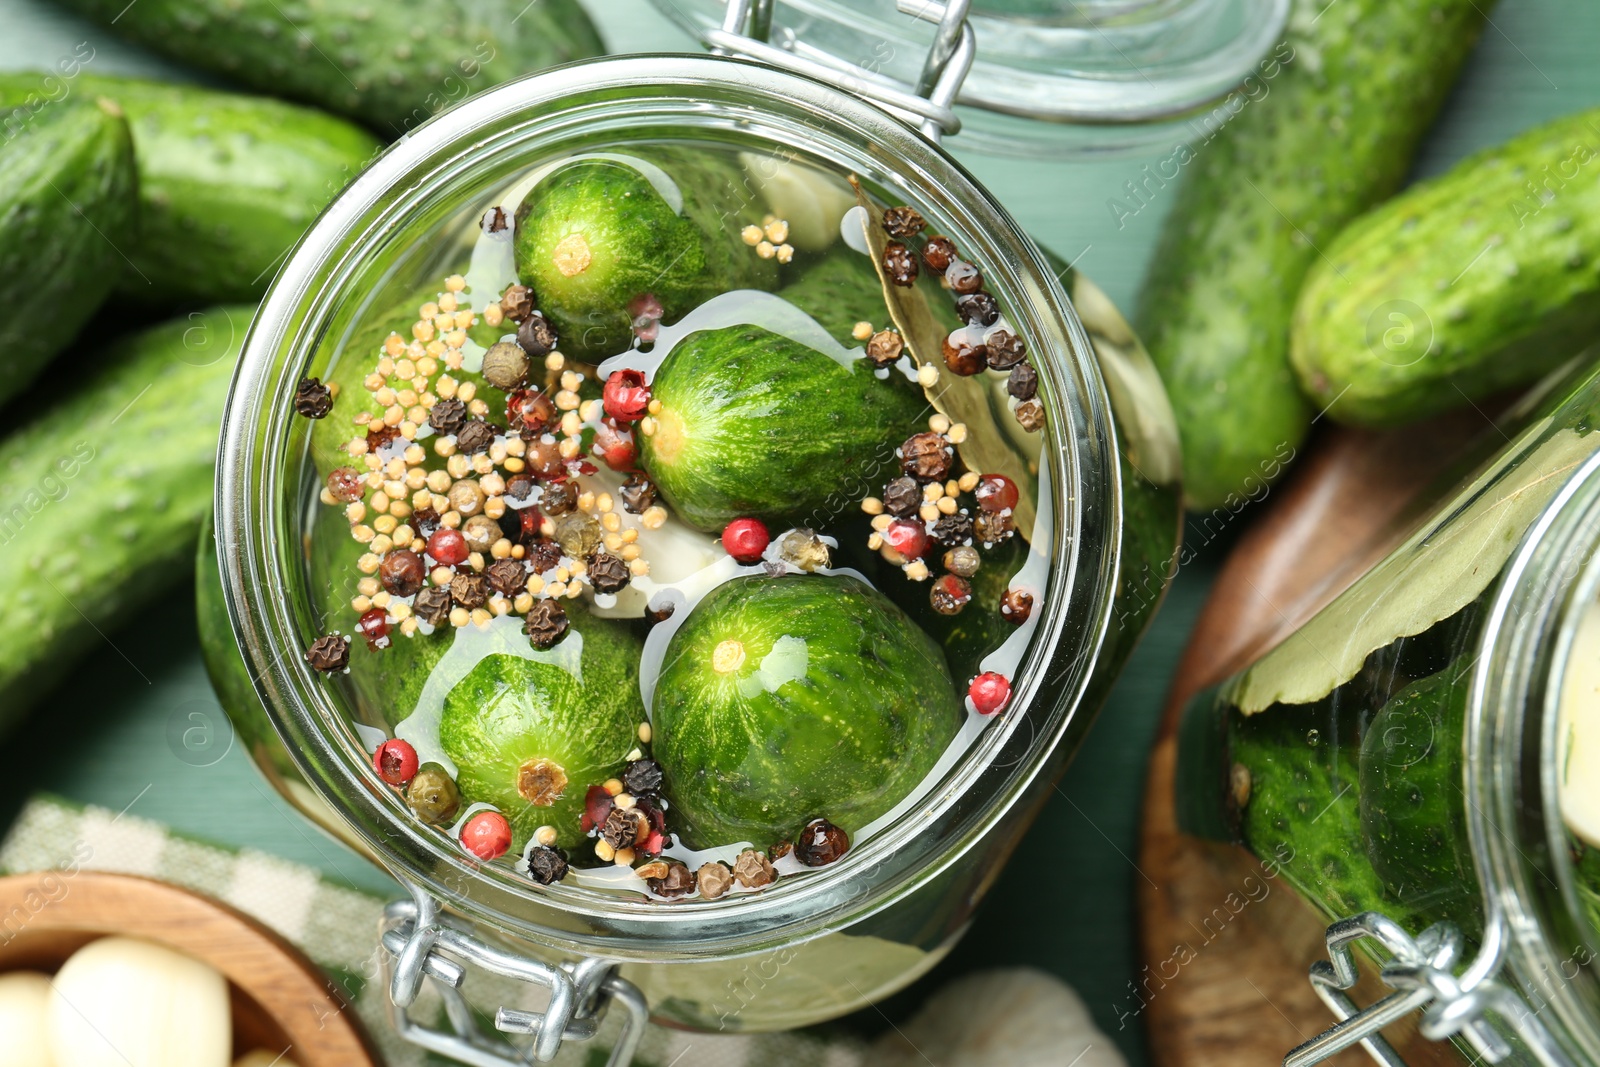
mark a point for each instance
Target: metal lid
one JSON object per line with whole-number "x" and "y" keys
{"x": 1050, "y": 77}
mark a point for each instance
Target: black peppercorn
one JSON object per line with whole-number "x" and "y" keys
{"x": 938, "y": 254}
{"x": 1005, "y": 349}
{"x": 330, "y": 653}
{"x": 380, "y": 437}
{"x": 312, "y": 399}
{"x": 1023, "y": 382}
{"x": 469, "y": 589}
{"x": 660, "y": 614}
{"x": 507, "y": 577}
{"x": 608, "y": 573}
{"x": 495, "y": 220}
{"x": 885, "y": 347}
{"x": 899, "y": 263}
{"x": 952, "y": 530}
{"x": 753, "y": 870}
{"x": 902, "y": 497}
{"x": 624, "y": 827}
{"x": 820, "y": 843}
{"x": 978, "y": 309}
{"x": 1016, "y": 605}
{"x": 402, "y": 572}
{"x": 519, "y": 487}
{"x": 902, "y": 222}
{"x": 474, "y": 437}
{"x": 558, "y": 498}
{"x": 542, "y": 554}
{"x": 926, "y": 457}
{"x": 546, "y": 623}
{"x": 642, "y": 777}
{"x": 432, "y": 605}
{"x": 962, "y": 356}
{"x": 677, "y": 882}
{"x": 425, "y": 521}
{"x": 547, "y": 865}
{"x": 638, "y": 494}
{"x": 964, "y": 277}
{"x": 536, "y": 336}
{"x": 992, "y": 527}
{"x": 517, "y": 302}
{"x": 1030, "y": 414}
{"x": 447, "y": 415}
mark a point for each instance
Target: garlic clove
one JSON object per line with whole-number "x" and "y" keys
{"x": 122, "y": 1002}
{"x": 24, "y": 997}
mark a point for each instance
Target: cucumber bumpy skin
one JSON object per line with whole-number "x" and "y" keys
{"x": 1347, "y": 100}
{"x": 66, "y": 208}
{"x": 1481, "y": 279}
{"x": 785, "y": 699}
{"x": 227, "y": 184}
{"x": 390, "y": 66}
{"x": 104, "y": 492}
{"x": 597, "y": 237}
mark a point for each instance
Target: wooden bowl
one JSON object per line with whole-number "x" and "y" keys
{"x": 281, "y": 1001}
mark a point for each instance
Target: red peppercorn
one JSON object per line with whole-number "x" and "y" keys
{"x": 615, "y": 446}
{"x": 626, "y": 396}
{"x": 746, "y": 539}
{"x": 345, "y": 484}
{"x": 486, "y": 835}
{"x": 962, "y": 355}
{"x": 374, "y": 626}
{"x": 529, "y": 413}
{"x": 989, "y": 692}
{"x": 908, "y": 538}
{"x": 402, "y": 572}
{"x": 544, "y": 460}
{"x": 395, "y": 761}
{"x": 1016, "y": 605}
{"x": 597, "y": 804}
{"x": 949, "y": 594}
{"x": 938, "y": 253}
{"x": 996, "y": 492}
{"x": 447, "y": 546}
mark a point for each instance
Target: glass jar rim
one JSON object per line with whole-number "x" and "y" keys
{"x": 253, "y": 522}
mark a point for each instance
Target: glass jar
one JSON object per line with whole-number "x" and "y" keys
{"x": 807, "y": 948}
{"x": 1414, "y": 758}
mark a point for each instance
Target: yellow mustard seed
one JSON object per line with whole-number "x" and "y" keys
{"x": 368, "y": 563}
{"x": 459, "y": 617}
{"x": 362, "y": 604}
{"x": 455, "y": 283}
{"x": 872, "y": 506}
{"x": 751, "y": 235}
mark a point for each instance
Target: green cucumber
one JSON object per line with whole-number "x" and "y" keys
{"x": 1343, "y": 104}
{"x": 531, "y": 733}
{"x": 1481, "y": 279}
{"x": 838, "y": 290}
{"x": 391, "y": 66}
{"x": 756, "y": 424}
{"x": 227, "y": 184}
{"x": 105, "y": 491}
{"x": 66, "y": 211}
{"x": 786, "y": 699}
{"x": 598, "y": 236}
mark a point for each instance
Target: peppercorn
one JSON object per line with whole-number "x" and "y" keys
{"x": 313, "y": 399}
{"x": 963, "y": 561}
{"x": 486, "y": 835}
{"x": 474, "y": 437}
{"x": 885, "y": 347}
{"x": 519, "y": 487}
{"x": 578, "y": 534}
{"x": 780, "y": 850}
{"x": 544, "y": 459}
{"x": 949, "y": 594}
{"x": 992, "y": 527}
{"x": 752, "y": 870}
{"x": 517, "y": 302}
{"x": 608, "y": 573}
{"x": 465, "y": 496}
{"x": 446, "y": 546}
{"x": 433, "y": 796}
{"x": 1023, "y": 382}
{"x": 529, "y": 412}
{"x": 902, "y": 497}
{"x": 547, "y": 866}
{"x": 678, "y": 882}
{"x": 908, "y": 538}
{"x": 542, "y": 554}
{"x": 1006, "y": 349}
{"x": 713, "y": 879}
{"x": 328, "y": 654}
{"x": 507, "y": 577}
{"x": 469, "y": 589}
{"x": 425, "y": 521}
{"x": 481, "y": 532}
{"x": 395, "y": 761}
{"x": 989, "y": 692}
{"x": 1030, "y": 415}
{"x": 820, "y": 843}
{"x": 899, "y": 263}
{"x": 996, "y": 492}
{"x": 802, "y": 548}
{"x": 345, "y": 484}
{"x": 624, "y": 827}
{"x": 660, "y": 614}
{"x": 746, "y": 539}
{"x": 963, "y": 277}
{"x": 558, "y": 498}
{"x": 402, "y": 572}
{"x": 380, "y": 437}
{"x": 625, "y": 395}
{"x": 642, "y": 777}
{"x": 432, "y": 605}
{"x": 902, "y": 222}
{"x": 505, "y": 365}
{"x": 1016, "y": 605}
{"x": 953, "y": 530}
{"x": 926, "y": 457}
{"x": 495, "y": 220}
{"x": 536, "y": 336}
{"x": 938, "y": 253}
{"x": 978, "y": 309}
{"x": 638, "y": 494}
{"x": 374, "y": 626}
{"x": 546, "y": 623}
{"x": 447, "y": 415}
{"x": 962, "y": 356}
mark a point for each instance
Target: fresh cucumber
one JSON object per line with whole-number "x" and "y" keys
{"x": 105, "y": 491}
{"x": 227, "y": 184}
{"x": 839, "y": 289}
{"x": 787, "y": 699}
{"x": 604, "y": 240}
{"x": 391, "y": 66}
{"x": 66, "y": 211}
{"x": 1344, "y": 102}
{"x": 755, "y": 424}
{"x": 1483, "y": 278}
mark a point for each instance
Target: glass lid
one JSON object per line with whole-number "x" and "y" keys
{"x": 1052, "y": 77}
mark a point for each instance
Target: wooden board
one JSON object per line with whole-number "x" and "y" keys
{"x": 1226, "y": 950}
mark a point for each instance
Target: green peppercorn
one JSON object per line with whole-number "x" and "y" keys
{"x": 432, "y": 795}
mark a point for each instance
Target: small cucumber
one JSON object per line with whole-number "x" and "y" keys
{"x": 66, "y": 213}
{"x": 602, "y": 240}
{"x": 1483, "y": 278}
{"x": 786, "y": 699}
{"x": 104, "y": 493}
{"x": 839, "y": 289}
{"x": 390, "y": 66}
{"x": 1342, "y": 105}
{"x": 530, "y": 734}
{"x": 756, "y": 424}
